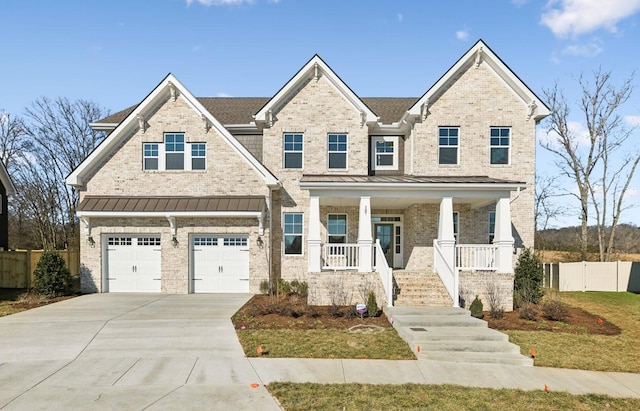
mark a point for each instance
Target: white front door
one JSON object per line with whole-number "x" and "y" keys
{"x": 220, "y": 263}
{"x": 133, "y": 263}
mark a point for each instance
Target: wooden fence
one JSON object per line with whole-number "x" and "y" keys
{"x": 593, "y": 276}
{"x": 17, "y": 267}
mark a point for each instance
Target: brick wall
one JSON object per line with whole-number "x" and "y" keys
{"x": 350, "y": 287}
{"x": 482, "y": 283}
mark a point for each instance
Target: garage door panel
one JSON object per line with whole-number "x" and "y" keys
{"x": 133, "y": 264}
{"x": 220, "y": 264}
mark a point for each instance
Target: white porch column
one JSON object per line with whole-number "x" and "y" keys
{"x": 314, "y": 257}
{"x": 365, "y": 239}
{"x": 446, "y": 239}
{"x": 502, "y": 236}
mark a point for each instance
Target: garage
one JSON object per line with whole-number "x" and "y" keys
{"x": 220, "y": 263}
{"x": 133, "y": 263}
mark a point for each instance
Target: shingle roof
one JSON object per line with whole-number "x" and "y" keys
{"x": 169, "y": 204}
{"x": 240, "y": 110}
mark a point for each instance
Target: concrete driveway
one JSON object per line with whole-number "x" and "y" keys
{"x": 128, "y": 352}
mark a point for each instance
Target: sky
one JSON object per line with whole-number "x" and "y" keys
{"x": 115, "y": 52}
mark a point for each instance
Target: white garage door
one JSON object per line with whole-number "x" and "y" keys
{"x": 220, "y": 264}
{"x": 133, "y": 264}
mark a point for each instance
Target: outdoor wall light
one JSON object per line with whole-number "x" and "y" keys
{"x": 91, "y": 241}
{"x": 174, "y": 241}
{"x": 260, "y": 242}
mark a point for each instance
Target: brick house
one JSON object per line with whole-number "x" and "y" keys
{"x": 422, "y": 200}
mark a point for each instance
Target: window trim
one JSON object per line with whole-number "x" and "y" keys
{"x": 156, "y": 157}
{"x": 491, "y": 233}
{"x": 374, "y": 153}
{"x": 457, "y": 146}
{"x": 285, "y": 151}
{"x": 345, "y": 152}
{"x": 204, "y": 156}
{"x": 284, "y": 234}
{"x": 500, "y": 146}
{"x": 346, "y": 228}
{"x": 456, "y": 226}
{"x": 167, "y": 152}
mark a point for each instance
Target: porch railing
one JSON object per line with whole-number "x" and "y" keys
{"x": 476, "y": 256}
{"x": 447, "y": 273}
{"x": 340, "y": 256}
{"x": 386, "y": 273}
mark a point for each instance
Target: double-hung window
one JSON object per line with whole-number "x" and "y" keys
{"x": 384, "y": 151}
{"x": 500, "y": 139}
{"x": 448, "y": 145}
{"x": 337, "y": 228}
{"x": 337, "y": 145}
{"x": 174, "y": 151}
{"x": 198, "y": 156}
{"x": 492, "y": 226}
{"x": 150, "y": 156}
{"x": 293, "y": 150}
{"x": 292, "y": 227}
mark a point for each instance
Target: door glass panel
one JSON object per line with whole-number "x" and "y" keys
{"x": 384, "y": 233}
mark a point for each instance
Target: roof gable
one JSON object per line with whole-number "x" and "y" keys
{"x": 168, "y": 88}
{"x": 479, "y": 54}
{"x": 315, "y": 68}
{"x": 6, "y": 180}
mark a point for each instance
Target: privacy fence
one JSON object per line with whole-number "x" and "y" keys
{"x": 593, "y": 276}
{"x": 17, "y": 267}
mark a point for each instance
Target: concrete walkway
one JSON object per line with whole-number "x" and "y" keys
{"x": 138, "y": 352}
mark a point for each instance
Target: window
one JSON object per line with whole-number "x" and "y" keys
{"x": 500, "y": 145}
{"x": 150, "y": 156}
{"x": 293, "y": 233}
{"x": 293, "y": 149}
{"x": 198, "y": 156}
{"x": 448, "y": 145}
{"x": 174, "y": 151}
{"x": 456, "y": 226}
{"x": 338, "y": 151}
{"x": 492, "y": 226}
{"x": 235, "y": 241}
{"x": 385, "y": 153}
{"x": 337, "y": 228}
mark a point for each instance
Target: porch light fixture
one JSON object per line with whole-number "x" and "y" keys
{"x": 174, "y": 241}
{"x": 91, "y": 241}
{"x": 260, "y": 242}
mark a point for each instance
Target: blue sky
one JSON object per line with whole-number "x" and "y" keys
{"x": 116, "y": 52}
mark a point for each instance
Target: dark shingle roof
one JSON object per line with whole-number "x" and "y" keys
{"x": 240, "y": 110}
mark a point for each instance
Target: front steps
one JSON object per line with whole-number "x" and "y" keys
{"x": 420, "y": 288}
{"x": 452, "y": 335}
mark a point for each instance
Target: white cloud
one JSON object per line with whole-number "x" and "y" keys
{"x": 590, "y": 49}
{"x": 222, "y": 2}
{"x": 223, "y": 94}
{"x": 633, "y": 121}
{"x": 576, "y": 17}
{"x": 462, "y": 34}
{"x": 579, "y": 134}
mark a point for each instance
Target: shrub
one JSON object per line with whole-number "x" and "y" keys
{"x": 284, "y": 287}
{"x": 52, "y": 277}
{"x": 300, "y": 288}
{"x": 554, "y": 310}
{"x": 264, "y": 286}
{"x": 476, "y": 308}
{"x": 528, "y": 312}
{"x": 494, "y": 298}
{"x": 372, "y": 305}
{"x": 528, "y": 278}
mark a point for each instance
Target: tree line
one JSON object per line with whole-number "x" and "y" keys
{"x": 39, "y": 150}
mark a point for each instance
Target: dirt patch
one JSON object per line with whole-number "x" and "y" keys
{"x": 27, "y": 305}
{"x": 578, "y": 321}
{"x": 264, "y": 312}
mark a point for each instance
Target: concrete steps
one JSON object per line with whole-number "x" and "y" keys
{"x": 451, "y": 334}
{"x": 420, "y": 288}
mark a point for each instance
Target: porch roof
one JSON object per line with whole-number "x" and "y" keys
{"x": 313, "y": 179}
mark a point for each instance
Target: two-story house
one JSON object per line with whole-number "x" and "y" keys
{"x": 402, "y": 196}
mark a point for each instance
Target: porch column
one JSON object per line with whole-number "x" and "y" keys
{"x": 314, "y": 257}
{"x": 365, "y": 239}
{"x": 502, "y": 236}
{"x": 446, "y": 239}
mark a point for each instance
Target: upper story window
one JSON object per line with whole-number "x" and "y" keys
{"x": 198, "y": 156}
{"x": 293, "y": 150}
{"x": 174, "y": 154}
{"x": 492, "y": 226}
{"x": 384, "y": 151}
{"x": 500, "y": 141}
{"x": 150, "y": 156}
{"x": 174, "y": 151}
{"x": 292, "y": 227}
{"x": 337, "y": 145}
{"x": 448, "y": 145}
{"x": 337, "y": 228}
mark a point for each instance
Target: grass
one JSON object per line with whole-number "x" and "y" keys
{"x": 325, "y": 343}
{"x": 8, "y": 298}
{"x": 590, "y": 352}
{"x": 434, "y": 397}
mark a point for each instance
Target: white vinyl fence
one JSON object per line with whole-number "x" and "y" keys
{"x": 593, "y": 276}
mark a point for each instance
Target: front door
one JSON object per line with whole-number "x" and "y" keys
{"x": 384, "y": 233}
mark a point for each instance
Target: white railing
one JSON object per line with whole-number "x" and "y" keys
{"x": 386, "y": 273}
{"x": 447, "y": 273}
{"x": 476, "y": 256}
{"x": 340, "y": 256}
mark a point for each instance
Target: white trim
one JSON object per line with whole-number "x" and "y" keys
{"x": 457, "y": 146}
{"x": 508, "y": 147}
{"x": 6, "y": 181}
{"x": 374, "y": 154}
{"x": 284, "y": 234}
{"x": 398, "y": 258}
{"x": 346, "y": 152}
{"x": 346, "y": 234}
{"x": 284, "y": 152}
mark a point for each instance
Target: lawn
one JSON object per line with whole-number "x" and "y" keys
{"x": 434, "y": 397}
{"x": 588, "y": 351}
{"x": 8, "y": 301}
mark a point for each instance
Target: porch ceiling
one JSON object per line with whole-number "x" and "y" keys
{"x": 401, "y": 202}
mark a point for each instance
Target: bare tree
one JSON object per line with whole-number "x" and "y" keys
{"x": 61, "y": 139}
{"x": 545, "y": 210}
{"x": 14, "y": 142}
{"x": 590, "y": 162}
